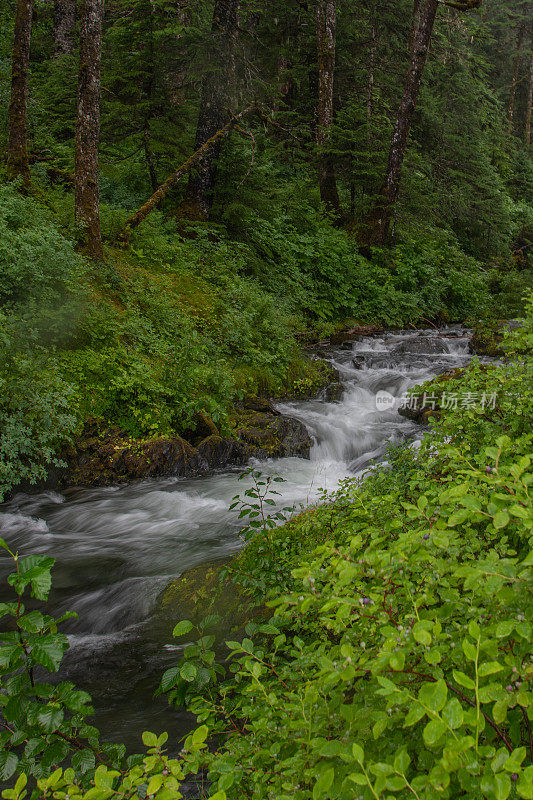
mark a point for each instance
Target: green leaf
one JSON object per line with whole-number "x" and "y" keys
{"x": 463, "y": 680}
{"x": 324, "y": 783}
{"x": 453, "y": 713}
{"x": 433, "y": 695}
{"x": 402, "y": 760}
{"x": 397, "y": 661}
{"x": 32, "y": 622}
{"x": 200, "y": 735}
{"x": 183, "y": 627}
{"x": 524, "y": 787}
{"x": 83, "y": 761}
{"x": 358, "y": 753}
{"x": 489, "y": 668}
{"x": 8, "y": 764}
{"x": 433, "y": 731}
{"x": 501, "y": 519}
{"x": 188, "y": 671}
{"x": 149, "y": 739}
{"x": 416, "y": 712}
{"x": 49, "y": 652}
{"x": 514, "y": 762}
{"x": 421, "y": 634}
{"x": 50, "y": 718}
{"x": 469, "y": 650}
{"x": 502, "y": 786}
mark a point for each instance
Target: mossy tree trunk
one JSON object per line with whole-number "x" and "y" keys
{"x": 87, "y": 191}
{"x": 17, "y": 150}
{"x": 326, "y": 21}
{"x": 64, "y": 24}
{"x": 216, "y": 100}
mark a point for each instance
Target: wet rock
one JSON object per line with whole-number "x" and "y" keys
{"x": 352, "y": 334}
{"x": 217, "y": 452}
{"x": 422, "y": 413}
{"x": 334, "y": 392}
{"x": 267, "y": 436}
{"x": 106, "y": 456}
{"x": 423, "y": 345}
{"x": 112, "y": 457}
{"x": 259, "y": 404}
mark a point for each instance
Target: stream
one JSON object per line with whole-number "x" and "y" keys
{"x": 117, "y": 548}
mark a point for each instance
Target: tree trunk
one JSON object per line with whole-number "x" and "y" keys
{"x": 514, "y": 84}
{"x": 415, "y": 22}
{"x": 217, "y": 94}
{"x": 17, "y": 151}
{"x": 64, "y": 24}
{"x": 87, "y": 192}
{"x": 176, "y": 69}
{"x": 326, "y": 19}
{"x": 383, "y": 212}
{"x": 371, "y": 72}
{"x": 529, "y": 108}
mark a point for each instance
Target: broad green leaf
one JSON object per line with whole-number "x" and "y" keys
{"x": 433, "y": 731}
{"x": 324, "y": 783}
{"x": 183, "y": 627}
{"x": 188, "y": 671}
{"x": 463, "y": 680}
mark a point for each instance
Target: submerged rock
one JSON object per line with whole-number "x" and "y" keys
{"x": 334, "y": 392}
{"x": 204, "y": 590}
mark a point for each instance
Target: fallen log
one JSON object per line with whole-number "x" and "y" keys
{"x": 159, "y": 195}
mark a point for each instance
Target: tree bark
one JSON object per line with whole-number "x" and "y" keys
{"x": 414, "y": 23}
{"x": 514, "y": 84}
{"x": 198, "y": 157}
{"x": 64, "y": 24}
{"x": 326, "y": 20}
{"x": 383, "y": 211}
{"x": 217, "y": 91}
{"x": 176, "y": 69}
{"x": 529, "y": 108}
{"x": 87, "y": 191}
{"x": 17, "y": 151}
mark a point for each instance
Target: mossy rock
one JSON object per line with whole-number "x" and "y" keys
{"x": 268, "y": 435}
{"x": 487, "y": 339}
{"x": 205, "y": 590}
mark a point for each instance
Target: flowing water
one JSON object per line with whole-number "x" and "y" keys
{"x": 117, "y": 548}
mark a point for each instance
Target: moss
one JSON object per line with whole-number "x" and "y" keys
{"x": 487, "y": 339}
{"x": 208, "y": 589}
